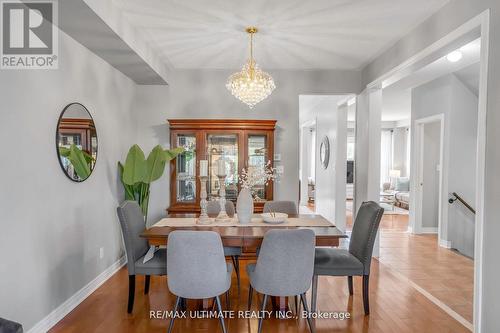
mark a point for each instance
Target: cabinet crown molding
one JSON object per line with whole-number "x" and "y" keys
{"x": 241, "y": 124}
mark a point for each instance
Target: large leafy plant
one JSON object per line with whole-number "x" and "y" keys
{"x": 138, "y": 173}
{"x": 79, "y": 159}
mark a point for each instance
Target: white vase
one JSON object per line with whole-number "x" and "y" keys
{"x": 244, "y": 206}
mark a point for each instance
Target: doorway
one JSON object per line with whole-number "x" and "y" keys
{"x": 307, "y": 169}
{"x": 428, "y": 190}
{"x": 444, "y": 140}
{"x": 323, "y": 124}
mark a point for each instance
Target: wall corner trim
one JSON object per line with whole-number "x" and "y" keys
{"x": 67, "y": 306}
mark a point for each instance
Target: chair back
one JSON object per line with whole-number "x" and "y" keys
{"x": 364, "y": 232}
{"x": 196, "y": 265}
{"x": 286, "y": 262}
{"x": 132, "y": 224}
{"x": 8, "y": 326}
{"x": 213, "y": 208}
{"x": 287, "y": 207}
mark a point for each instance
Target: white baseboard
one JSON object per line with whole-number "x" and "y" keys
{"x": 444, "y": 243}
{"x": 428, "y": 230}
{"x": 62, "y": 310}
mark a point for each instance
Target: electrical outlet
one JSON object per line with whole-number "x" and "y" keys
{"x": 101, "y": 252}
{"x": 280, "y": 169}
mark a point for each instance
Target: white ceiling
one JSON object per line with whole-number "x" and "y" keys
{"x": 397, "y": 97}
{"x": 294, "y": 34}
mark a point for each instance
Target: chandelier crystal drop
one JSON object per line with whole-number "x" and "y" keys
{"x": 251, "y": 85}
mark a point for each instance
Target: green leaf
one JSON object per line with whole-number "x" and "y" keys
{"x": 134, "y": 170}
{"x": 170, "y": 154}
{"x": 88, "y": 157}
{"x": 63, "y": 151}
{"x": 129, "y": 189}
{"x": 79, "y": 163}
{"x": 155, "y": 165}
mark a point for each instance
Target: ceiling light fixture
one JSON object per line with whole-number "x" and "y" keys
{"x": 251, "y": 85}
{"x": 454, "y": 56}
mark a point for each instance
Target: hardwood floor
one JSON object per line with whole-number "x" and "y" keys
{"x": 395, "y": 307}
{"x": 444, "y": 274}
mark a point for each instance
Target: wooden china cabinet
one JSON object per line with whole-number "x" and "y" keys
{"x": 78, "y": 131}
{"x": 241, "y": 143}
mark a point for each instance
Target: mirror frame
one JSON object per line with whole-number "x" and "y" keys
{"x": 326, "y": 158}
{"x": 57, "y": 141}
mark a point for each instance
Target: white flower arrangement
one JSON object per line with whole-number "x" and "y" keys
{"x": 257, "y": 175}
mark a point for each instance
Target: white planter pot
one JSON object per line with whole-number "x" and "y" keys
{"x": 244, "y": 206}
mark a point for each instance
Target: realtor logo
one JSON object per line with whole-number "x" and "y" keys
{"x": 29, "y": 36}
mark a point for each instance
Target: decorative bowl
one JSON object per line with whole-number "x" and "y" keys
{"x": 274, "y": 218}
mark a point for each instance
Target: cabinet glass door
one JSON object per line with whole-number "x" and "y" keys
{"x": 223, "y": 146}
{"x": 186, "y": 168}
{"x": 257, "y": 158}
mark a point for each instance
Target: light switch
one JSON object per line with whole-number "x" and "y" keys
{"x": 280, "y": 169}
{"x": 277, "y": 157}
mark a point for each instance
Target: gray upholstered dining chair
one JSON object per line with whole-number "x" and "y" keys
{"x": 213, "y": 209}
{"x": 197, "y": 268}
{"x": 7, "y": 326}
{"x": 284, "y": 267}
{"x": 355, "y": 261}
{"x": 132, "y": 224}
{"x": 287, "y": 207}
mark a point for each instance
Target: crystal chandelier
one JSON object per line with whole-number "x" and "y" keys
{"x": 251, "y": 85}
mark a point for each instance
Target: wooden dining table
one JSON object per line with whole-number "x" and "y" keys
{"x": 251, "y": 235}
{"x": 246, "y": 236}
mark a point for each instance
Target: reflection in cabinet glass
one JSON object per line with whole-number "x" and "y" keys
{"x": 220, "y": 146}
{"x": 257, "y": 158}
{"x": 242, "y": 144}
{"x": 186, "y": 168}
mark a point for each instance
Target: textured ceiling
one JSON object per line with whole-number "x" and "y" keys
{"x": 294, "y": 34}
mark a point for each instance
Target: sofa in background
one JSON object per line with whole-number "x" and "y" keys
{"x": 400, "y": 190}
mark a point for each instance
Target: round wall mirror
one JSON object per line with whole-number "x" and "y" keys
{"x": 76, "y": 142}
{"x": 324, "y": 152}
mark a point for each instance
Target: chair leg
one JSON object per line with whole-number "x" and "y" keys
{"x": 131, "y": 293}
{"x": 237, "y": 269}
{"x": 366, "y": 302}
{"x": 146, "y": 284}
{"x": 219, "y": 308}
{"x": 309, "y": 319}
{"x": 314, "y": 293}
{"x": 176, "y": 306}
{"x": 349, "y": 284}
{"x": 182, "y": 304}
{"x": 228, "y": 302}
{"x": 296, "y": 304}
{"x": 250, "y": 294}
{"x": 261, "y": 317}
